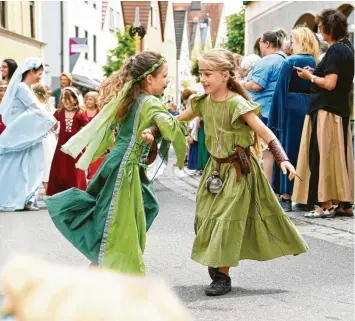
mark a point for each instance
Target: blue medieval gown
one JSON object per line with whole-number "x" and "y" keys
{"x": 288, "y": 110}
{"x": 21, "y": 150}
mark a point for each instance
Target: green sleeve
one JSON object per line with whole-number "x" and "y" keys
{"x": 105, "y": 144}
{"x": 170, "y": 128}
{"x": 196, "y": 104}
{"x": 243, "y": 106}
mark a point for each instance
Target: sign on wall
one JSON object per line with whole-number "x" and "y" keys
{"x": 76, "y": 47}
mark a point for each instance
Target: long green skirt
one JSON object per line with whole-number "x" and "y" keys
{"x": 243, "y": 221}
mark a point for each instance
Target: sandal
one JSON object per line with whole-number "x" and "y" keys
{"x": 326, "y": 213}
{"x": 341, "y": 212}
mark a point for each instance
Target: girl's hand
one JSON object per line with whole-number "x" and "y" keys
{"x": 147, "y": 136}
{"x": 304, "y": 74}
{"x": 287, "y": 166}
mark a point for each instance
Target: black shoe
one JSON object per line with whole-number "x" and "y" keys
{"x": 221, "y": 285}
{"x": 303, "y": 207}
{"x": 285, "y": 204}
{"x": 212, "y": 272}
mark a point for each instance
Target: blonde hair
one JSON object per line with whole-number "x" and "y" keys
{"x": 39, "y": 291}
{"x": 94, "y": 95}
{"x": 223, "y": 60}
{"x": 41, "y": 92}
{"x": 308, "y": 41}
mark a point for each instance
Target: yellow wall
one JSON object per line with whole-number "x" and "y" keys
{"x": 16, "y": 41}
{"x": 153, "y": 38}
{"x": 18, "y": 47}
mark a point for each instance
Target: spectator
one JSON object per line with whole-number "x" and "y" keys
{"x": 8, "y": 67}
{"x": 248, "y": 63}
{"x": 290, "y": 105}
{"x": 261, "y": 82}
{"x": 66, "y": 80}
{"x": 3, "y": 87}
{"x": 325, "y": 160}
{"x": 323, "y": 45}
{"x": 50, "y": 142}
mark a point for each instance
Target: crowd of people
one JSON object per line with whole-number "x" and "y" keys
{"x": 31, "y": 149}
{"x": 303, "y": 85}
{"x": 293, "y": 109}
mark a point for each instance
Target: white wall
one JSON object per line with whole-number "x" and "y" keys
{"x": 222, "y": 30}
{"x": 184, "y": 64}
{"x": 109, "y": 39}
{"x": 89, "y": 19}
{"x": 51, "y": 35}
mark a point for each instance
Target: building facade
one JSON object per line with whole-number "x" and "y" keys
{"x": 20, "y": 30}
{"x": 95, "y": 23}
{"x": 261, "y": 16}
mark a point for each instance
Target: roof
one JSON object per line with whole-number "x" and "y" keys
{"x": 163, "y": 8}
{"x": 128, "y": 11}
{"x": 211, "y": 10}
{"x": 103, "y": 11}
{"x": 179, "y": 21}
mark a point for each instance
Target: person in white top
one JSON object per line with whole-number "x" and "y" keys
{"x": 50, "y": 142}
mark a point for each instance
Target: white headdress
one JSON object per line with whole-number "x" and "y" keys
{"x": 6, "y": 104}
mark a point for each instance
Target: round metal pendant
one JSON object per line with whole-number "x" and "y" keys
{"x": 214, "y": 184}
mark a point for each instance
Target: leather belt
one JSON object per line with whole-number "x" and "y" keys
{"x": 240, "y": 160}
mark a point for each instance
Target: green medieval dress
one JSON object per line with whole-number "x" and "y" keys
{"x": 228, "y": 226}
{"x": 108, "y": 221}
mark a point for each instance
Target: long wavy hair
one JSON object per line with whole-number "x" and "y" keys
{"x": 223, "y": 60}
{"x": 308, "y": 40}
{"x": 133, "y": 67}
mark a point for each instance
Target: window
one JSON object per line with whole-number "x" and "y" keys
{"x": 3, "y": 14}
{"x": 112, "y": 20}
{"x": 94, "y": 47}
{"x": 87, "y": 42}
{"x": 154, "y": 17}
{"x": 76, "y": 32}
{"x": 117, "y": 20}
{"x": 32, "y": 19}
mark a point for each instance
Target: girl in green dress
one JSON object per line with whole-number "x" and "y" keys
{"x": 237, "y": 214}
{"x": 108, "y": 221}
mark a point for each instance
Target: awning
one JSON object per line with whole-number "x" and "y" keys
{"x": 86, "y": 82}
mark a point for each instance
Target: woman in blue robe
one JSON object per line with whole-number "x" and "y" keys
{"x": 290, "y": 104}
{"x": 21, "y": 149}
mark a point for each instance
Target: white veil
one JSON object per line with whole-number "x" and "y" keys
{"x": 6, "y": 104}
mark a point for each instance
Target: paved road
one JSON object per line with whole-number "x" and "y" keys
{"x": 314, "y": 286}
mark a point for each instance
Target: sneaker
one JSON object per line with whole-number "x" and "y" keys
{"x": 212, "y": 272}
{"x": 221, "y": 285}
{"x": 285, "y": 204}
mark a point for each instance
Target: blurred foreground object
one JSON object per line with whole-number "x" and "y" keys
{"x": 39, "y": 291}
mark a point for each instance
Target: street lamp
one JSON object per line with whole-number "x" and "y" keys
{"x": 137, "y": 31}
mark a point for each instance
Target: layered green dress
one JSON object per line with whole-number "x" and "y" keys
{"x": 228, "y": 226}
{"x": 108, "y": 221}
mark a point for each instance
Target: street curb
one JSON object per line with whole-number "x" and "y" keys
{"x": 192, "y": 182}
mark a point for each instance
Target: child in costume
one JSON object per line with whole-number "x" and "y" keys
{"x": 64, "y": 174}
{"x": 21, "y": 148}
{"x": 3, "y": 87}
{"x": 108, "y": 222}
{"x": 50, "y": 142}
{"x": 237, "y": 214}
{"x": 91, "y": 101}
